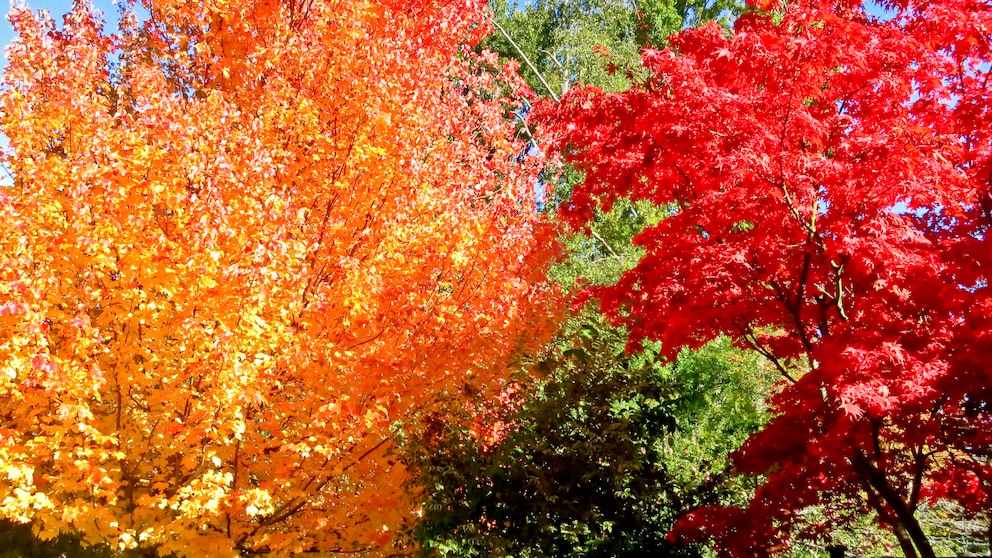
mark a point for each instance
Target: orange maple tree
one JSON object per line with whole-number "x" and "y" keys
{"x": 240, "y": 239}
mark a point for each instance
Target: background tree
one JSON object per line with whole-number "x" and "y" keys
{"x": 592, "y": 42}
{"x": 572, "y": 462}
{"x": 241, "y": 239}
{"x": 598, "y": 459}
{"x": 829, "y": 169}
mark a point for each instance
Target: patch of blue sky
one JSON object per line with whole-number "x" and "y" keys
{"x": 58, "y": 8}
{"x": 108, "y": 11}
{"x": 878, "y": 11}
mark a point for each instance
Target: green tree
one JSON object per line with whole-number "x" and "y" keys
{"x": 595, "y": 42}
{"x": 600, "y": 452}
{"x": 600, "y": 254}
{"x": 597, "y": 459}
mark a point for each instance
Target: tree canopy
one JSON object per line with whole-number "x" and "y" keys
{"x": 831, "y": 171}
{"x": 241, "y": 239}
{"x": 560, "y": 44}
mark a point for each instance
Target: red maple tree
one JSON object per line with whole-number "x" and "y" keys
{"x": 829, "y": 177}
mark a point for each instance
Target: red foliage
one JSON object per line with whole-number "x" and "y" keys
{"x": 829, "y": 173}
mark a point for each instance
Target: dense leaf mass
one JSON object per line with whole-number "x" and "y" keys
{"x": 831, "y": 172}
{"x": 241, "y": 238}
{"x": 597, "y": 459}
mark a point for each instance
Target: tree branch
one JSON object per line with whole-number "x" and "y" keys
{"x": 526, "y": 60}
{"x": 608, "y": 247}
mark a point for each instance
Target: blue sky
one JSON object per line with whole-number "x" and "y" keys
{"x": 57, "y": 8}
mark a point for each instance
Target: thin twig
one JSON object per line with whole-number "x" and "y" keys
{"x": 608, "y": 247}
{"x": 526, "y": 60}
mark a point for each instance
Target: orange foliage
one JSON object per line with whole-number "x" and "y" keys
{"x": 242, "y": 239}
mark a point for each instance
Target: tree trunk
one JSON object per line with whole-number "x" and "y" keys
{"x": 905, "y": 519}
{"x": 908, "y": 550}
{"x": 905, "y": 543}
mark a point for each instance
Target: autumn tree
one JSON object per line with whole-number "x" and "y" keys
{"x": 831, "y": 174}
{"x": 239, "y": 240}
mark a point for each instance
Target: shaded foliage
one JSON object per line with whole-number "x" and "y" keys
{"x": 17, "y": 541}
{"x": 597, "y": 459}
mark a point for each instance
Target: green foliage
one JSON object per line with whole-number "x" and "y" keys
{"x": 17, "y": 541}
{"x": 722, "y": 390}
{"x": 597, "y": 459}
{"x": 599, "y": 255}
{"x": 593, "y": 42}
{"x": 560, "y": 40}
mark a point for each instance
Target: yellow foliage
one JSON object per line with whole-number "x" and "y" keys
{"x": 230, "y": 264}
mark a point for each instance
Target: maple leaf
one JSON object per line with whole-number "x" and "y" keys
{"x": 816, "y": 126}
{"x": 241, "y": 241}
